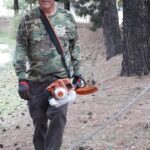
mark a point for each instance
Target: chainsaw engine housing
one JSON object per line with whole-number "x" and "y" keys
{"x": 62, "y": 91}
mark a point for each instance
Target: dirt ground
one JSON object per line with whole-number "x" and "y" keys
{"x": 128, "y": 131}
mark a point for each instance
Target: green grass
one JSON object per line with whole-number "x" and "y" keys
{"x": 8, "y": 29}
{"x": 9, "y": 100}
{"x": 8, "y": 106}
{"x": 6, "y": 38}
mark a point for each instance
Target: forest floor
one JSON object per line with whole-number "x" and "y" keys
{"x": 114, "y": 118}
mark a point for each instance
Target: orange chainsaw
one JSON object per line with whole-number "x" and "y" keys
{"x": 63, "y": 91}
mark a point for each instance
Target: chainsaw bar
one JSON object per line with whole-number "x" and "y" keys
{"x": 86, "y": 90}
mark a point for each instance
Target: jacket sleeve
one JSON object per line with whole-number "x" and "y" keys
{"x": 74, "y": 46}
{"x": 20, "y": 55}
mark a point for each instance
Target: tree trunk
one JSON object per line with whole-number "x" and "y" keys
{"x": 136, "y": 35}
{"x": 67, "y": 4}
{"x": 111, "y": 28}
{"x": 16, "y": 6}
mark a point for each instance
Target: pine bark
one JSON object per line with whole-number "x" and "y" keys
{"x": 67, "y": 4}
{"x": 16, "y": 6}
{"x": 136, "y": 38}
{"x": 110, "y": 23}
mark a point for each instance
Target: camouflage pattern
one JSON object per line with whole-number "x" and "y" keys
{"x": 34, "y": 46}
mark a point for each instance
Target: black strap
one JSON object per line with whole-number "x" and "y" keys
{"x": 54, "y": 39}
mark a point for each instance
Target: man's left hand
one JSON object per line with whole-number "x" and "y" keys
{"x": 78, "y": 81}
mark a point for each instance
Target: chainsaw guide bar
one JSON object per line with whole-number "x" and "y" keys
{"x": 86, "y": 90}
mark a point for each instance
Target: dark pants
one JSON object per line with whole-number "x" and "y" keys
{"x": 47, "y": 136}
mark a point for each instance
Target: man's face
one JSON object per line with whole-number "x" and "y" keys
{"x": 46, "y": 4}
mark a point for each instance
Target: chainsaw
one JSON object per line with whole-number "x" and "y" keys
{"x": 63, "y": 91}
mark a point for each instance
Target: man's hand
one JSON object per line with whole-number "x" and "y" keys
{"x": 78, "y": 81}
{"x": 23, "y": 90}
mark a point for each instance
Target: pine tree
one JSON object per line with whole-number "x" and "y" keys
{"x": 136, "y": 35}
{"x": 103, "y": 13}
{"x": 16, "y": 6}
{"x": 31, "y": 1}
{"x": 67, "y": 4}
{"x": 92, "y": 8}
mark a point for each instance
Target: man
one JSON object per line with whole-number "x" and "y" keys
{"x": 34, "y": 46}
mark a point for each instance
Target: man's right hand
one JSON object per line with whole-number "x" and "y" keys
{"x": 23, "y": 90}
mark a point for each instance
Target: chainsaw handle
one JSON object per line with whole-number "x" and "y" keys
{"x": 78, "y": 82}
{"x": 84, "y": 82}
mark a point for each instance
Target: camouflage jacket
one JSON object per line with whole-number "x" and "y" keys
{"x": 35, "y": 57}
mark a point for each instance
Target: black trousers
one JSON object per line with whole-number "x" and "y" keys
{"x": 47, "y": 136}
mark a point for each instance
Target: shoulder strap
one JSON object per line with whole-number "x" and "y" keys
{"x": 54, "y": 39}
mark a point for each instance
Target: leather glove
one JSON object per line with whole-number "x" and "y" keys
{"x": 78, "y": 81}
{"x": 23, "y": 90}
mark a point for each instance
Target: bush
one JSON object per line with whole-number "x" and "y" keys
{"x": 10, "y": 5}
